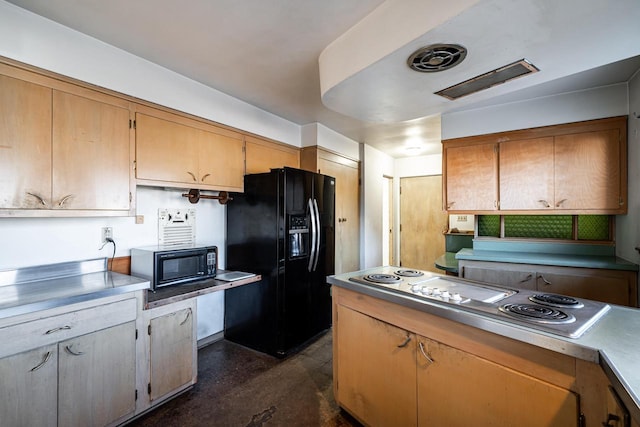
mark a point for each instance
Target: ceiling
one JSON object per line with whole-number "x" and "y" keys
{"x": 342, "y": 63}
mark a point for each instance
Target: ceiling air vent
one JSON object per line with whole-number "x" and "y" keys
{"x": 436, "y": 57}
{"x": 487, "y": 80}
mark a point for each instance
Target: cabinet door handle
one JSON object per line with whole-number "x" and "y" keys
{"x": 205, "y": 176}
{"x": 546, "y": 282}
{"x": 73, "y": 353}
{"x": 54, "y": 330}
{"x": 45, "y": 359}
{"x": 192, "y": 176}
{"x": 40, "y": 199}
{"x": 424, "y": 353}
{"x": 560, "y": 203}
{"x": 611, "y": 417}
{"x": 186, "y": 318}
{"x": 406, "y": 342}
{"x": 449, "y": 205}
{"x": 544, "y": 203}
{"x": 64, "y": 200}
{"x": 526, "y": 279}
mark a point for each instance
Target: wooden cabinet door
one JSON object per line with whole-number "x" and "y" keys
{"x": 499, "y": 274}
{"x": 582, "y": 284}
{"x": 171, "y": 352}
{"x": 375, "y": 370}
{"x": 25, "y": 144}
{"x": 166, "y": 151}
{"x": 262, "y": 156}
{"x": 587, "y": 168}
{"x": 28, "y": 387}
{"x": 347, "y": 214}
{"x": 527, "y": 174}
{"x": 221, "y": 161}
{"x": 456, "y": 388}
{"x": 90, "y": 154}
{"x": 97, "y": 377}
{"x": 471, "y": 174}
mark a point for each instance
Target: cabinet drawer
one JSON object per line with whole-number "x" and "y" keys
{"x": 36, "y": 333}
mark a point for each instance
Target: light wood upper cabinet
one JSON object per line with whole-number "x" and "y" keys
{"x": 262, "y": 155}
{"x": 90, "y": 153}
{"x": 527, "y": 174}
{"x": 175, "y": 151}
{"x": 471, "y": 173}
{"x": 25, "y": 143}
{"x": 588, "y": 171}
{"x": 65, "y": 150}
{"x": 573, "y": 168}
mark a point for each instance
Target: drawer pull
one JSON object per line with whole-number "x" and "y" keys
{"x": 406, "y": 342}
{"x": 186, "y": 318}
{"x": 546, "y": 282}
{"x": 424, "y": 353}
{"x": 526, "y": 279}
{"x": 61, "y": 328}
{"x": 73, "y": 353}
{"x": 44, "y": 361}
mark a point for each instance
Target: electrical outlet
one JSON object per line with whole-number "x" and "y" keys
{"x": 107, "y": 233}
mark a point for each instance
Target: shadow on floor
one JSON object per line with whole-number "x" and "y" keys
{"x": 240, "y": 387}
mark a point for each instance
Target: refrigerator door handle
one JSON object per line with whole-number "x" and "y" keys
{"x": 317, "y": 249}
{"x": 313, "y": 236}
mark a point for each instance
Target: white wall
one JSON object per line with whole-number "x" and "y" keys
{"x": 628, "y": 226}
{"x": 320, "y": 135}
{"x": 607, "y": 101}
{"x": 31, "y": 39}
{"x": 375, "y": 165}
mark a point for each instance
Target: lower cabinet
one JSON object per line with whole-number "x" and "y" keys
{"x": 394, "y": 366}
{"x": 172, "y": 349}
{"x": 611, "y": 286}
{"x": 456, "y": 388}
{"x": 30, "y": 377}
{"x": 87, "y": 380}
{"x": 376, "y": 375}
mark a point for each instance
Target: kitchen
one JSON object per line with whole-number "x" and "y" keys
{"x": 26, "y": 38}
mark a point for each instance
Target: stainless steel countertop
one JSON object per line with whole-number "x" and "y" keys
{"x": 613, "y": 341}
{"x": 32, "y": 289}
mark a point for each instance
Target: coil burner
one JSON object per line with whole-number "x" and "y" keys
{"x": 387, "y": 279}
{"x": 409, "y": 273}
{"x": 537, "y": 313}
{"x": 552, "y": 300}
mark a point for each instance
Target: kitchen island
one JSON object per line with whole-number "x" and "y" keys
{"x": 411, "y": 360}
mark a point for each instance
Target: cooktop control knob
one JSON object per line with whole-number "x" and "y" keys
{"x": 445, "y": 294}
{"x": 456, "y": 296}
{"x": 416, "y": 288}
{"x": 426, "y": 290}
{"x": 436, "y": 292}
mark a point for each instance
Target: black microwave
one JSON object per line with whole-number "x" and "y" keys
{"x": 173, "y": 265}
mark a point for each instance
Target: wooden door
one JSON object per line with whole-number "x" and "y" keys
{"x": 471, "y": 178}
{"x": 171, "y": 347}
{"x": 587, "y": 168}
{"x": 422, "y": 222}
{"x": 97, "y": 377}
{"x": 165, "y": 150}
{"x": 29, "y": 388}
{"x": 90, "y": 154}
{"x": 374, "y": 370}
{"x": 347, "y": 214}
{"x": 527, "y": 174}
{"x": 482, "y": 393}
{"x": 221, "y": 160}
{"x": 25, "y": 144}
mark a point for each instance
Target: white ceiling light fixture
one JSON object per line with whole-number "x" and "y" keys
{"x": 436, "y": 57}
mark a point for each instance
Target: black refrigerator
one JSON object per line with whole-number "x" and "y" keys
{"x": 281, "y": 227}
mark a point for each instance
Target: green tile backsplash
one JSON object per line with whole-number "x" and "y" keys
{"x": 590, "y": 227}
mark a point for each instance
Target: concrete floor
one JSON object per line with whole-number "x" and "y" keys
{"x": 241, "y": 387}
